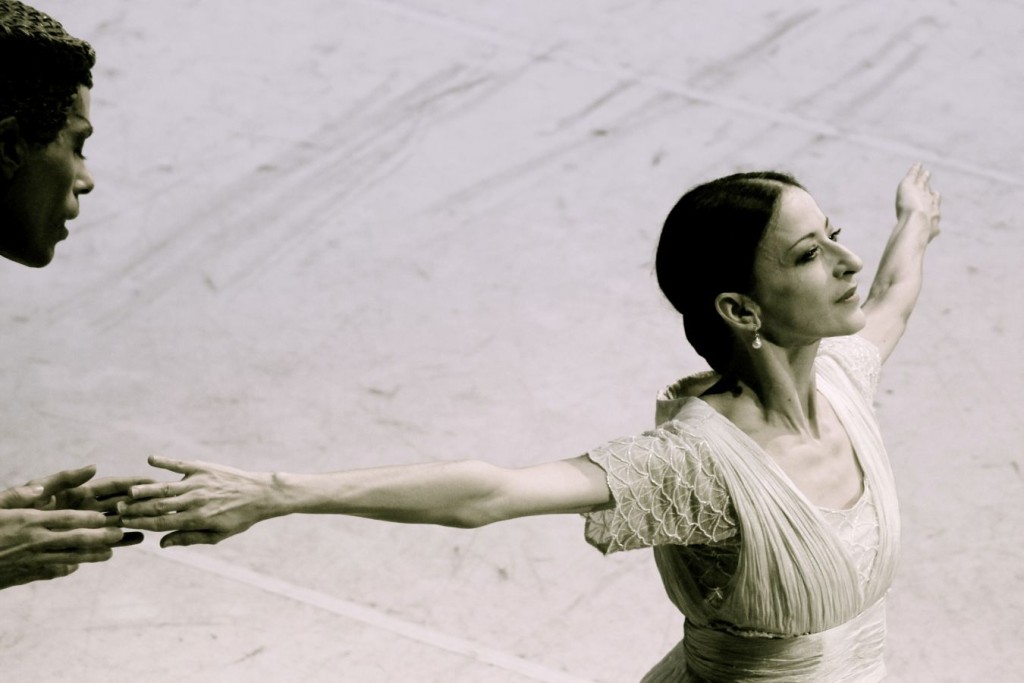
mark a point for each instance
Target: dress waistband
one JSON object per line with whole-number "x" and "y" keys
{"x": 848, "y": 653}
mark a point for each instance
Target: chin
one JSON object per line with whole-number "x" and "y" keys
{"x": 38, "y": 259}
{"x": 853, "y": 326}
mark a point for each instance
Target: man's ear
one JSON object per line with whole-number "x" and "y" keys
{"x": 739, "y": 311}
{"x": 12, "y": 147}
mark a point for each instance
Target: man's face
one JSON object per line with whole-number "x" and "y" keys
{"x": 42, "y": 194}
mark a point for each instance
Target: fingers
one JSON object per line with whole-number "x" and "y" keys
{"x": 181, "y": 538}
{"x": 129, "y": 538}
{"x": 167, "y": 522}
{"x": 71, "y": 557}
{"x": 64, "y": 480}
{"x": 159, "y": 498}
{"x": 179, "y": 466}
{"x": 101, "y": 495}
{"x": 82, "y": 540}
{"x": 22, "y": 496}
{"x": 16, "y": 576}
{"x": 44, "y": 546}
{"x": 57, "y": 520}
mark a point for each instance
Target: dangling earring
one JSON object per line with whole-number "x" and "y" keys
{"x": 757, "y": 338}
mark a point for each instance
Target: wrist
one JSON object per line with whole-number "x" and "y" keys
{"x": 283, "y": 494}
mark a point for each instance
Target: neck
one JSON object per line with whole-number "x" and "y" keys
{"x": 780, "y": 382}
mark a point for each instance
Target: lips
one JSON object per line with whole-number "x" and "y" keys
{"x": 848, "y": 295}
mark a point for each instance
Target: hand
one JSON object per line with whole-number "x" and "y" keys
{"x": 47, "y": 544}
{"x": 52, "y": 524}
{"x": 915, "y": 194}
{"x": 101, "y": 495}
{"x": 67, "y": 490}
{"x": 210, "y": 503}
{"x": 17, "y": 575}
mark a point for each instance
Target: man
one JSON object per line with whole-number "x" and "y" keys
{"x": 51, "y": 525}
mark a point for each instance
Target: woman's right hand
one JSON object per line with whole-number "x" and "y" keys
{"x": 210, "y": 503}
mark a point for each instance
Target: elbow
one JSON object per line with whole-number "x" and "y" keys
{"x": 463, "y": 520}
{"x": 468, "y": 516}
{"x": 482, "y": 501}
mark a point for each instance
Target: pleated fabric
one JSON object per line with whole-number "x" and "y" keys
{"x": 769, "y": 590}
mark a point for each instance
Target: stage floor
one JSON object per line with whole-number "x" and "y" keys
{"x": 342, "y": 233}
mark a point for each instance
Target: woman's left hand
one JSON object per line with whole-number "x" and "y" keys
{"x": 210, "y": 503}
{"x": 915, "y": 194}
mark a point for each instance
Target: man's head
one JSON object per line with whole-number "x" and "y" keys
{"x": 45, "y": 76}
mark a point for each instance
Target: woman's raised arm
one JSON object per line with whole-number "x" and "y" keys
{"x": 212, "y": 502}
{"x": 897, "y": 283}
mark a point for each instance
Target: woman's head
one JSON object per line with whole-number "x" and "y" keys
{"x": 752, "y": 252}
{"x": 45, "y": 76}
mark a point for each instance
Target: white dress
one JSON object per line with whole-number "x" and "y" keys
{"x": 773, "y": 588}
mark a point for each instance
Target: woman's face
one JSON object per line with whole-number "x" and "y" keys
{"x": 804, "y": 277}
{"x": 43, "y": 193}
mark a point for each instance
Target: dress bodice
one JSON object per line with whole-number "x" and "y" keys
{"x": 742, "y": 552}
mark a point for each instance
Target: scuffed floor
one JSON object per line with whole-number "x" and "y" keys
{"x": 334, "y": 234}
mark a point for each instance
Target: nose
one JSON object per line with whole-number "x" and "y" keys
{"x": 83, "y": 182}
{"x": 847, "y": 262}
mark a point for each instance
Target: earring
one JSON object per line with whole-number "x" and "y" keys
{"x": 757, "y": 338}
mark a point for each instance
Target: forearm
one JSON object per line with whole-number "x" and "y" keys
{"x": 457, "y": 494}
{"x": 897, "y": 283}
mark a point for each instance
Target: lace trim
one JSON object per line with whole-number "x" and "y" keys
{"x": 858, "y": 530}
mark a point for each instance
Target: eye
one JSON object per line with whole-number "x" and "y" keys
{"x": 835, "y": 235}
{"x": 810, "y": 254}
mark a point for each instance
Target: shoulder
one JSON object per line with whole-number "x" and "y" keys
{"x": 666, "y": 488}
{"x": 857, "y": 358}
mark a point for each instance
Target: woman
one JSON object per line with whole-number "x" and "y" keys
{"x": 765, "y": 490}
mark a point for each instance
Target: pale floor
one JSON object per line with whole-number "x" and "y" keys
{"x": 330, "y": 234}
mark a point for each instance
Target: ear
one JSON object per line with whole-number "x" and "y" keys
{"x": 739, "y": 311}
{"x": 12, "y": 148}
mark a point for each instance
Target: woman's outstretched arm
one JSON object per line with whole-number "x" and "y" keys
{"x": 897, "y": 283}
{"x": 212, "y": 502}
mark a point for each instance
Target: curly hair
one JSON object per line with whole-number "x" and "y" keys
{"x": 41, "y": 68}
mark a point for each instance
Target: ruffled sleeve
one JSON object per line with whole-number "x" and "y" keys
{"x": 858, "y": 358}
{"x": 666, "y": 492}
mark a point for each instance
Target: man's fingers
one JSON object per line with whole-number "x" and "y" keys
{"x": 82, "y": 539}
{"x": 71, "y": 557}
{"x": 102, "y": 495}
{"x": 57, "y": 520}
{"x": 65, "y": 479}
{"x": 129, "y": 538}
{"x": 21, "y": 496}
{"x": 17, "y": 576}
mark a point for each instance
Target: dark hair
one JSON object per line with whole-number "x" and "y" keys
{"x": 41, "y": 68}
{"x": 707, "y": 247}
